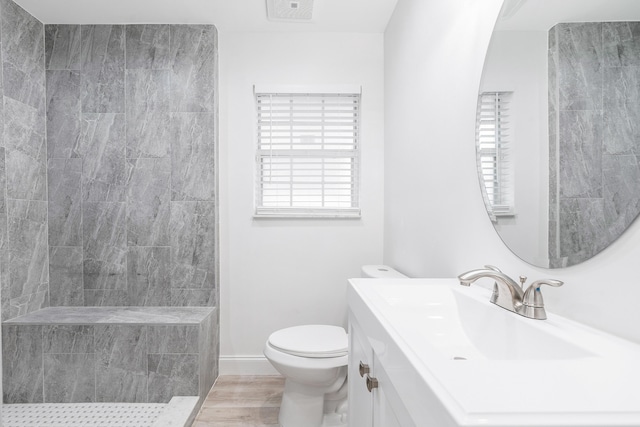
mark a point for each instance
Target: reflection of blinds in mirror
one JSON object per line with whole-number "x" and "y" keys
{"x": 493, "y": 141}
{"x": 308, "y": 154}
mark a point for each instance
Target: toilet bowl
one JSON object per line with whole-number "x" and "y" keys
{"x": 313, "y": 359}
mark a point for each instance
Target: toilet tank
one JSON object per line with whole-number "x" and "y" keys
{"x": 381, "y": 272}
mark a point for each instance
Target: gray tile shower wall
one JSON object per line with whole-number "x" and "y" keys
{"x": 594, "y": 95}
{"x": 131, "y": 108}
{"x": 108, "y": 144}
{"x": 24, "y": 273}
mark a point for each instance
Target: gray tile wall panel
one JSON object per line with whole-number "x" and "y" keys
{"x": 594, "y": 94}
{"x": 22, "y": 375}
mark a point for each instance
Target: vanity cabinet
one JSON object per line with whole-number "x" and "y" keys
{"x": 371, "y": 393}
{"x": 444, "y": 356}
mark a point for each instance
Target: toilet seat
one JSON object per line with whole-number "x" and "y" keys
{"x": 313, "y": 341}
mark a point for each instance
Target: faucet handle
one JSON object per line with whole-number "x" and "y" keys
{"x": 533, "y": 296}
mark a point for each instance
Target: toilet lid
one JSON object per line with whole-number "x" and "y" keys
{"x": 311, "y": 341}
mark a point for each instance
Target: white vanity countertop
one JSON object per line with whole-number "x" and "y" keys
{"x": 517, "y": 372}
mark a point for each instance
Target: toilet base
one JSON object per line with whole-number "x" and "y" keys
{"x": 306, "y": 406}
{"x": 301, "y": 405}
{"x": 334, "y": 420}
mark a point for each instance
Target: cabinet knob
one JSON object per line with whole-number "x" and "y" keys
{"x": 371, "y": 383}
{"x": 364, "y": 369}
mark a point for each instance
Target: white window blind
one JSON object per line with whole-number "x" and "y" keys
{"x": 308, "y": 155}
{"x": 493, "y": 140}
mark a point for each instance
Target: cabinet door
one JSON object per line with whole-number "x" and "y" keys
{"x": 360, "y": 400}
{"x": 383, "y": 412}
{"x": 388, "y": 408}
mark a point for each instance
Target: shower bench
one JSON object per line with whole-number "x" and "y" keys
{"x": 109, "y": 354}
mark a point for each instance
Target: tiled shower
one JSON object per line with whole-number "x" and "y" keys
{"x": 108, "y": 171}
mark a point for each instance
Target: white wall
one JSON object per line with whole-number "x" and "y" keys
{"x": 517, "y": 62}
{"x": 280, "y": 273}
{"x": 434, "y": 52}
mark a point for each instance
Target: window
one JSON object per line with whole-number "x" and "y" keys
{"x": 493, "y": 150}
{"x": 308, "y": 155}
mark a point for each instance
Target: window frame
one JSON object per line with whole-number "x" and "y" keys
{"x": 332, "y": 162}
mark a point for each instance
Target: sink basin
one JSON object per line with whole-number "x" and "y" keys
{"x": 454, "y": 351}
{"x": 463, "y": 325}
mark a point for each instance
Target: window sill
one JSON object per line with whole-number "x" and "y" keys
{"x": 307, "y": 214}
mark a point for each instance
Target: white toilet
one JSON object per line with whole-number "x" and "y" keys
{"x": 313, "y": 359}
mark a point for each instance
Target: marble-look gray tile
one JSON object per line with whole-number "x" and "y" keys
{"x": 580, "y": 66}
{"x": 68, "y": 339}
{"x": 65, "y": 202}
{"x": 621, "y": 43}
{"x": 5, "y": 288}
{"x": 148, "y": 117}
{"x": 148, "y": 134}
{"x": 172, "y": 375}
{"x": 3, "y": 180}
{"x": 553, "y": 164}
{"x": 193, "y": 245}
{"x": 621, "y": 181}
{"x": 19, "y": 88}
{"x": 63, "y": 114}
{"x": 105, "y": 246}
{"x": 621, "y": 130}
{"x": 148, "y": 47}
{"x": 103, "y": 61}
{"x": 24, "y": 136}
{"x": 116, "y": 315}
{"x": 193, "y": 67}
{"x": 22, "y": 55}
{"x": 621, "y": 99}
{"x": 66, "y": 276}
{"x": 193, "y": 297}
{"x": 29, "y": 303}
{"x": 193, "y": 157}
{"x": 149, "y": 276}
{"x": 552, "y": 81}
{"x": 208, "y": 352}
{"x": 2, "y": 118}
{"x": 27, "y": 247}
{"x": 580, "y": 222}
{"x": 121, "y": 363}
{"x": 149, "y": 201}
{"x": 62, "y": 47}
{"x": 22, "y": 364}
{"x": 69, "y": 378}
{"x": 148, "y": 90}
{"x": 105, "y": 169}
{"x": 173, "y": 339}
{"x": 621, "y": 87}
{"x": 106, "y": 297}
{"x": 580, "y": 156}
{"x": 554, "y": 244}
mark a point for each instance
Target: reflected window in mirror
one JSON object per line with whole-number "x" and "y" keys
{"x": 494, "y": 143}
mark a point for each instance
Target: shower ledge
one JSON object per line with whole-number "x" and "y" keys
{"x": 114, "y": 315}
{"x": 161, "y": 351}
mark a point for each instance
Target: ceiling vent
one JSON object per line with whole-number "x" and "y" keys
{"x": 289, "y": 10}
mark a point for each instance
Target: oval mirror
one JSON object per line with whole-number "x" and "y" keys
{"x": 558, "y": 127}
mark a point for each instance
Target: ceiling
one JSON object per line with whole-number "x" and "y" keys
{"x": 541, "y": 15}
{"x": 359, "y": 16}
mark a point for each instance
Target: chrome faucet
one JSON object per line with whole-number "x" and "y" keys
{"x": 509, "y": 295}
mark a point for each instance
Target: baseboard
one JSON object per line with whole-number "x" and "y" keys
{"x": 246, "y": 365}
